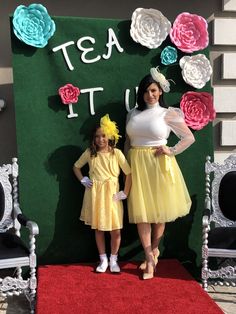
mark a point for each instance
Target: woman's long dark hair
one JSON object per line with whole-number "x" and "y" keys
{"x": 143, "y": 85}
{"x": 93, "y": 148}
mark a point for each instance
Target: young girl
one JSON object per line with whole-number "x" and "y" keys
{"x": 102, "y": 205}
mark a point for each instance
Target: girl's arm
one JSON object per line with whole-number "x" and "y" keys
{"x": 83, "y": 180}
{"x": 78, "y": 173}
{"x": 128, "y": 183}
{"x": 122, "y": 195}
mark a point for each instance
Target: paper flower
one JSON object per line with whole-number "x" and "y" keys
{"x": 196, "y": 70}
{"x": 189, "y": 32}
{"x": 69, "y": 95}
{"x": 198, "y": 109}
{"x": 168, "y": 55}
{"x": 33, "y": 25}
{"x": 149, "y": 27}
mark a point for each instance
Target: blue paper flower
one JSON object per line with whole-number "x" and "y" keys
{"x": 168, "y": 55}
{"x": 33, "y": 25}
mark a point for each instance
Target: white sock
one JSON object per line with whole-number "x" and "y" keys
{"x": 114, "y": 267}
{"x": 113, "y": 258}
{"x": 103, "y": 257}
{"x": 102, "y": 267}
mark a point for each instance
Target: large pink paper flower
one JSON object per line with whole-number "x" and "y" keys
{"x": 189, "y": 32}
{"x": 69, "y": 94}
{"x": 198, "y": 109}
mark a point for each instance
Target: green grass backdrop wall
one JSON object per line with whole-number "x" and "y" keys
{"x": 49, "y": 142}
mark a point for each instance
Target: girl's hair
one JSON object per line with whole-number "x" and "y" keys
{"x": 93, "y": 148}
{"x": 143, "y": 85}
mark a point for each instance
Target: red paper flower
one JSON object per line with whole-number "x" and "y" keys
{"x": 69, "y": 94}
{"x": 189, "y": 32}
{"x": 198, "y": 109}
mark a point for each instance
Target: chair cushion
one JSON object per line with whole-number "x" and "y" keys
{"x": 222, "y": 238}
{"x": 227, "y": 192}
{"x": 11, "y": 246}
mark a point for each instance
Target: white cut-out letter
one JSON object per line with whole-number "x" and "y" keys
{"x": 87, "y": 50}
{"x": 71, "y": 112}
{"x": 127, "y": 93}
{"x": 112, "y": 40}
{"x": 65, "y": 54}
{"x": 91, "y": 93}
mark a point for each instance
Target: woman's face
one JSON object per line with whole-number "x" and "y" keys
{"x": 152, "y": 94}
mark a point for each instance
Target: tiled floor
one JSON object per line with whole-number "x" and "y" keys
{"x": 224, "y": 296}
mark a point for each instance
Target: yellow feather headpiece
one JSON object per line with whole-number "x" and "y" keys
{"x": 109, "y": 128}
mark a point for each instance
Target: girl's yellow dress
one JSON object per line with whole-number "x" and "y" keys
{"x": 98, "y": 209}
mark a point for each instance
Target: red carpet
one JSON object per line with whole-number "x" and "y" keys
{"x": 77, "y": 289}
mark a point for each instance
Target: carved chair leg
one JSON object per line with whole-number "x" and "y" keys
{"x": 33, "y": 286}
{"x": 205, "y": 271}
{"x": 32, "y": 303}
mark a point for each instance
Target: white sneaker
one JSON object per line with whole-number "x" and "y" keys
{"x": 114, "y": 267}
{"x": 102, "y": 267}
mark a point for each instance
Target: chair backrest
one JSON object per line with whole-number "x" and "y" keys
{"x": 2, "y": 201}
{"x": 227, "y": 195}
{"x": 8, "y": 194}
{"x": 223, "y": 191}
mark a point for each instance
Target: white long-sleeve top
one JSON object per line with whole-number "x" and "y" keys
{"x": 152, "y": 127}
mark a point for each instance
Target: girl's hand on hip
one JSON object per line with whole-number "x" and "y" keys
{"x": 119, "y": 196}
{"x": 87, "y": 182}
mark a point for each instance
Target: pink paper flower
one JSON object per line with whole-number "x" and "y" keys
{"x": 189, "y": 32}
{"x": 198, "y": 109}
{"x": 69, "y": 94}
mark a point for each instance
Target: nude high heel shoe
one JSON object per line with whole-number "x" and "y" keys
{"x": 143, "y": 265}
{"x": 155, "y": 256}
{"x": 151, "y": 267}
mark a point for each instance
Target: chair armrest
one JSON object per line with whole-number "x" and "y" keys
{"x": 24, "y": 221}
{"x": 205, "y": 221}
{"x": 31, "y": 225}
{"x": 206, "y": 212}
{"x": 206, "y": 216}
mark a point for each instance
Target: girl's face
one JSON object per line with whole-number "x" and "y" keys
{"x": 101, "y": 140}
{"x": 152, "y": 94}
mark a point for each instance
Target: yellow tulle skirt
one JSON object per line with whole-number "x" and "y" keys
{"x": 158, "y": 193}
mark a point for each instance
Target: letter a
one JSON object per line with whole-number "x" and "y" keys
{"x": 112, "y": 40}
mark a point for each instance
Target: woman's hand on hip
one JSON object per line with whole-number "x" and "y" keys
{"x": 163, "y": 150}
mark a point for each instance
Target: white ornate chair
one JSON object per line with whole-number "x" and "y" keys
{"x": 14, "y": 253}
{"x": 219, "y": 222}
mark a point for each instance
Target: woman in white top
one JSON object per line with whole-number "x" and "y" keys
{"x": 158, "y": 194}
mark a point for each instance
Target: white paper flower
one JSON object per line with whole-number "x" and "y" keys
{"x": 149, "y": 27}
{"x": 196, "y": 70}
